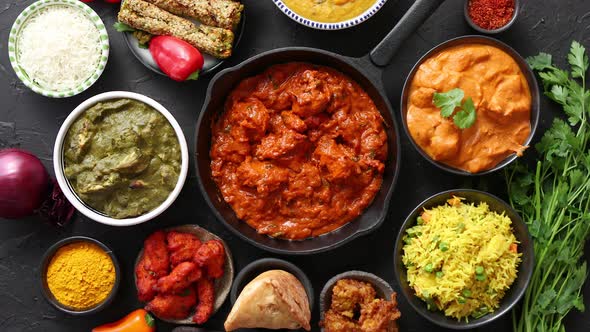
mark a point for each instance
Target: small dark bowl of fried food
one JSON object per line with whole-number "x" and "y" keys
{"x": 355, "y": 298}
{"x": 174, "y": 279}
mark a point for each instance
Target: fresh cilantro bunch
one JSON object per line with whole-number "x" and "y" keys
{"x": 451, "y": 100}
{"x": 553, "y": 198}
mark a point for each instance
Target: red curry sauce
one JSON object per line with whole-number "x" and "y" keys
{"x": 299, "y": 150}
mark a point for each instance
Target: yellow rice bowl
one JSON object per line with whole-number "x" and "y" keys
{"x": 461, "y": 258}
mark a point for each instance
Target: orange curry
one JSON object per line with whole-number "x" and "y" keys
{"x": 299, "y": 150}
{"x": 502, "y": 99}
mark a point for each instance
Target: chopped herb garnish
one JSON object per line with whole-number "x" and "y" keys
{"x": 451, "y": 100}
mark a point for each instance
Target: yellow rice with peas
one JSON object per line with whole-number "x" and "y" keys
{"x": 461, "y": 258}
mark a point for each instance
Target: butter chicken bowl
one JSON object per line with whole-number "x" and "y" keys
{"x": 470, "y": 105}
{"x": 120, "y": 158}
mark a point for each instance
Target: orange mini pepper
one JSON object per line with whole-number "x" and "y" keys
{"x": 137, "y": 321}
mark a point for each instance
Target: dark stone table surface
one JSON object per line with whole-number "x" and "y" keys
{"x": 31, "y": 122}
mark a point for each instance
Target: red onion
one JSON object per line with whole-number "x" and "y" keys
{"x": 25, "y": 188}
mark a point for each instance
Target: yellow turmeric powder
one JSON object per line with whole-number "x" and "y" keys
{"x": 81, "y": 275}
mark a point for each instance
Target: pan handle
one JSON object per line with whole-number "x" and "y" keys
{"x": 412, "y": 19}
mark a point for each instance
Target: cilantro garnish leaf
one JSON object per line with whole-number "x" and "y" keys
{"x": 451, "y": 100}
{"x": 541, "y": 61}
{"x": 448, "y": 101}
{"x": 466, "y": 116}
{"x": 122, "y": 27}
{"x": 578, "y": 60}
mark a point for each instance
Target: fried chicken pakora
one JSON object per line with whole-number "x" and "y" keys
{"x": 380, "y": 315}
{"x": 173, "y": 306}
{"x": 355, "y": 308}
{"x": 211, "y": 257}
{"x": 206, "y": 295}
{"x": 181, "y": 277}
{"x": 182, "y": 247}
{"x": 176, "y": 275}
{"x": 154, "y": 264}
{"x": 347, "y": 294}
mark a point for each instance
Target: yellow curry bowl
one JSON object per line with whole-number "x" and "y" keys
{"x": 329, "y": 14}
{"x": 153, "y": 152}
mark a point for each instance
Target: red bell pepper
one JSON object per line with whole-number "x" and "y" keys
{"x": 178, "y": 59}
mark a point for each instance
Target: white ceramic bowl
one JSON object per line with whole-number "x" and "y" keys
{"x": 32, "y": 10}
{"x": 330, "y": 26}
{"x": 75, "y": 200}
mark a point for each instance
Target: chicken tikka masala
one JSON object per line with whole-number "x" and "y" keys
{"x": 299, "y": 150}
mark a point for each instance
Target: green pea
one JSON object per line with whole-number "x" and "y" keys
{"x": 479, "y": 269}
{"x": 429, "y": 268}
{"x": 461, "y": 300}
{"x": 480, "y": 277}
{"x": 466, "y": 292}
{"x": 439, "y": 274}
{"x": 420, "y": 221}
{"x": 460, "y": 227}
{"x": 443, "y": 246}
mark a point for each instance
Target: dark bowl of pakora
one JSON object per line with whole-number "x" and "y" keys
{"x": 357, "y": 300}
{"x": 183, "y": 274}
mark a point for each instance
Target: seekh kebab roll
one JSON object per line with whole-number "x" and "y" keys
{"x": 144, "y": 16}
{"x": 218, "y": 13}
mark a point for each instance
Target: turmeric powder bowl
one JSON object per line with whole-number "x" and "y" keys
{"x": 79, "y": 275}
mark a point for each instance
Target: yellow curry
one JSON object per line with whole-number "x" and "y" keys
{"x": 502, "y": 99}
{"x": 329, "y": 11}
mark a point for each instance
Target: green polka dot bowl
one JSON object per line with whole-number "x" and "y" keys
{"x": 14, "y": 43}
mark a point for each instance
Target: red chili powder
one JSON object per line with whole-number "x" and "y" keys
{"x": 491, "y": 14}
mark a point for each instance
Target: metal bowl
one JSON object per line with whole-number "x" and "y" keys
{"x": 222, "y": 285}
{"x": 512, "y": 296}
{"x": 494, "y": 31}
{"x": 473, "y": 39}
{"x": 43, "y": 276}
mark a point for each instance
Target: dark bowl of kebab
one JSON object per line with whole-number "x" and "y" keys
{"x": 183, "y": 274}
{"x": 358, "y": 301}
{"x": 212, "y": 27}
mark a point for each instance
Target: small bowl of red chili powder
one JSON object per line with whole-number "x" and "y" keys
{"x": 491, "y": 16}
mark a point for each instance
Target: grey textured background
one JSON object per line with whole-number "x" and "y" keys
{"x": 31, "y": 122}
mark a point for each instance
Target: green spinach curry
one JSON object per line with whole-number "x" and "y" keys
{"x": 122, "y": 158}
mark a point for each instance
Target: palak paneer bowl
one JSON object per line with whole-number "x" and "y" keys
{"x": 120, "y": 158}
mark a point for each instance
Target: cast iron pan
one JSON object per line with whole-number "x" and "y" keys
{"x": 367, "y": 73}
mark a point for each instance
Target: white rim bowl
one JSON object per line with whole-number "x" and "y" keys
{"x": 330, "y": 26}
{"x": 22, "y": 20}
{"x": 64, "y": 183}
